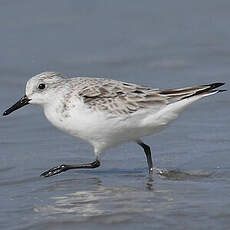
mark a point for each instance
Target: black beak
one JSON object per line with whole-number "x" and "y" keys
{"x": 22, "y": 102}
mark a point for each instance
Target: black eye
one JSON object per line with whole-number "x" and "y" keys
{"x": 42, "y": 86}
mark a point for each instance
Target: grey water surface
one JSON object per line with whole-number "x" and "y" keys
{"x": 162, "y": 44}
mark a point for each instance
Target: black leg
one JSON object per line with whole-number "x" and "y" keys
{"x": 148, "y": 155}
{"x": 63, "y": 168}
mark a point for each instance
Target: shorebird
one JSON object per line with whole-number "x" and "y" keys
{"x": 105, "y": 112}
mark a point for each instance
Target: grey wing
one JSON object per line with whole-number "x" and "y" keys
{"x": 118, "y": 98}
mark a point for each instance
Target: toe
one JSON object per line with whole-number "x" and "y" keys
{"x": 54, "y": 171}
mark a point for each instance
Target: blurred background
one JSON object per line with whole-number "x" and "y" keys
{"x": 162, "y": 44}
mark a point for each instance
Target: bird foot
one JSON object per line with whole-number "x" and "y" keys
{"x": 55, "y": 170}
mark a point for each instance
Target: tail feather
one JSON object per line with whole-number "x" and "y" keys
{"x": 178, "y": 101}
{"x": 207, "y": 89}
{"x": 183, "y": 93}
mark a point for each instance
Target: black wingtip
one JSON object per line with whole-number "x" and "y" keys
{"x": 208, "y": 89}
{"x": 221, "y": 90}
{"x": 215, "y": 85}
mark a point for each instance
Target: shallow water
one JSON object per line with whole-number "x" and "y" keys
{"x": 163, "y": 44}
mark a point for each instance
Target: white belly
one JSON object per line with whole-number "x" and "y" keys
{"x": 103, "y": 130}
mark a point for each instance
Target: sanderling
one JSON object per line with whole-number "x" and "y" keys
{"x": 105, "y": 112}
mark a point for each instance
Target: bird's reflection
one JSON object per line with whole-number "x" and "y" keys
{"x": 101, "y": 200}
{"x": 93, "y": 198}
{"x": 149, "y": 183}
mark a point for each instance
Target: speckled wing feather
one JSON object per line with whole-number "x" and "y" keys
{"x": 118, "y": 97}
